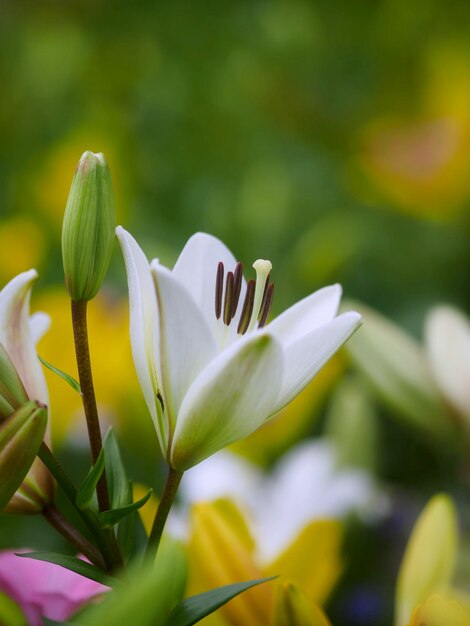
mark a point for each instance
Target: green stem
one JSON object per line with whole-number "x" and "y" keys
{"x": 82, "y": 351}
{"x": 88, "y": 517}
{"x": 171, "y": 487}
{"x": 56, "y": 519}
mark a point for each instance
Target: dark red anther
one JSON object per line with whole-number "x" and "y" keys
{"x": 219, "y": 285}
{"x": 266, "y": 306}
{"x": 228, "y": 299}
{"x": 247, "y": 308}
{"x": 237, "y": 286}
{"x": 265, "y": 294}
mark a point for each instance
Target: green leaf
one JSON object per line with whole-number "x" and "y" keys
{"x": 120, "y": 492}
{"x": 68, "y": 379}
{"x": 73, "y": 564}
{"x": 195, "y": 608}
{"x": 109, "y": 518}
{"x": 147, "y": 593}
{"x": 87, "y": 490}
{"x": 131, "y": 536}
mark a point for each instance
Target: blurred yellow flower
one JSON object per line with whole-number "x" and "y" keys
{"x": 439, "y": 611}
{"x": 420, "y": 162}
{"x": 221, "y": 551}
{"x": 424, "y": 583}
{"x": 111, "y": 358}
{"x": 294, "y": 608}
{"x": 22, "y": 246}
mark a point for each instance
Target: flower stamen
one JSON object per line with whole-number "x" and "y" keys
{"x": 228, "y": 303}
{"x": 266, "y": 305}
{"x": 258, "y": 297}
{"x": 247, "y": 308}
{"x": 237, "y": 286}
{"x": 219, "y": 285}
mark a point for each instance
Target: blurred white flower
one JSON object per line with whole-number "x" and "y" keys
{"x": 448, "y": 348}
{"x": 306, "y": 484}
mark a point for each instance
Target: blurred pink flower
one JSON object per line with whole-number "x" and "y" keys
{"x": 43, "y": 589}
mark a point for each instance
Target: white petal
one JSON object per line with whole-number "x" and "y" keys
{"x": 448, "y": 348}
{"x": 143, "y": 327}
{"x": 186, "y": 342}
{"x": 39, "y": 324}
{"x": 230, "y": 399}
{"x": 16, "y": 336}
{"x": 196, "y": 268}
{"x": 306, "y": 315}
{"x": 306, "y": 356}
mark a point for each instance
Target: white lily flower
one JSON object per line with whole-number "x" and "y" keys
{"x": 19, "y": 333}
{"x": 210, "y": 371}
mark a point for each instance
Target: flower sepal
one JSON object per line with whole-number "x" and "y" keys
{"x": 21, "y": 435}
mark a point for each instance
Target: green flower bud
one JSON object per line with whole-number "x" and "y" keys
{"x": 12, "y": 391}
{"x": 21, "y": 435}
{"x": 88, "y": 228}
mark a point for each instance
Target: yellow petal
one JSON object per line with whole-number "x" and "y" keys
{"x": 294, "y": 608}
{"x": 313, "y": 560}
{"x": 429, "y": 559}
{"x": 219, "y": 555}
{"x": 439, "y": 611}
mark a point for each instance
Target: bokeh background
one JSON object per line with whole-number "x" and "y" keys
{"x": 331, "y": 137}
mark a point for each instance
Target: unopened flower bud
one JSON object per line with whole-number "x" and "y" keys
{"x": 21, "y": 435}
{"x": 88, "y": 228}
{"x": 12, "y": 391}
{"x": 430, "y": 557}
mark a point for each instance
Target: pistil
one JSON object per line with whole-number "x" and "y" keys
{"x": 263, "y": 269}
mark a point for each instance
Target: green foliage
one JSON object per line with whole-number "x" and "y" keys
{"x": 68, "y": 379}
{"x": 73, "y": 564}
{"x": 109, "y": 518}
{"x": 146, "y": 596}
{"x": 195, "y": 608}
{"x": 87, "y": 490}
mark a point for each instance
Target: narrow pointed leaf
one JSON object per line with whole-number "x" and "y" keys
{"x": 73, "y": 564}
{"x": 87, "y": 490}
{"x": 68, "y": 379}
{"x": 120, "y": 491}
{"x": 195, "y": 608}
{"x": 113, "y": 516}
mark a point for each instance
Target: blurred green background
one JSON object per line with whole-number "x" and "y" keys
{"x": 331, "y": 137}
